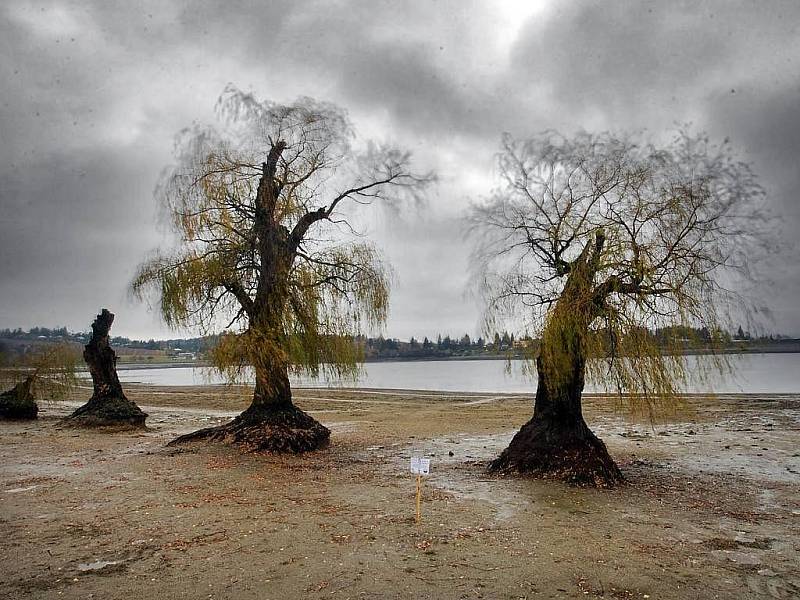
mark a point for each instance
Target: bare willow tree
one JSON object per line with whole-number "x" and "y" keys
{"x": 263, "y": 209}
{"x": 46, "y": 372}
{"x": 594, "y": 241}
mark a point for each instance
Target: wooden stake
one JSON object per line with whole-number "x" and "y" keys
{"x": 419, "y": 498}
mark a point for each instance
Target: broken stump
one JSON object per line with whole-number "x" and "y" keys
{"x": 108, "y": 406}
{"x": 19, "y": 402}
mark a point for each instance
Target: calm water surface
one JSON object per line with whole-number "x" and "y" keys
{"x": 753, "y": 374}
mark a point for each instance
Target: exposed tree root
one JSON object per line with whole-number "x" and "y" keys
{"x": 113, "y": 412}
{"x": 553, "y": 451}
{"x": 19, "y": 402}
{"x": 284, "y": 430}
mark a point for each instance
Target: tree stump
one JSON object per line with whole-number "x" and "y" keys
{"x": 108, "y": 406}
{"x": 19, "y": 402}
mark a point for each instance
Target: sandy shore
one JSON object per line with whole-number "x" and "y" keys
{"x": 711, "y": 508}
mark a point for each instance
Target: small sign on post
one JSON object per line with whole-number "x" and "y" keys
{"x": 420, "y": 466}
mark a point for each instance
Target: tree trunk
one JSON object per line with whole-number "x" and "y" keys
{"x": 272, "y": 423}
{"x": 108, "y": 406}
{"x": 19, "y": 402}
{"x": 556, "y": 443}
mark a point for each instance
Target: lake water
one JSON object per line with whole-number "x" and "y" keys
{"x": 753, "y": 374}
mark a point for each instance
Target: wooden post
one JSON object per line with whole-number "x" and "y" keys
{"x": 419, "y": 497}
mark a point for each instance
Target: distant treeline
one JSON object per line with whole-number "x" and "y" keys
{"x": 197, "y": 345}
{"x": 382, "y": 348}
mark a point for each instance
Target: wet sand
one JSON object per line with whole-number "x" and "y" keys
{"x": 711, "y": 508}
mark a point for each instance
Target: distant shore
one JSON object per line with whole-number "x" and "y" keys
{"x": 793, "y": 348}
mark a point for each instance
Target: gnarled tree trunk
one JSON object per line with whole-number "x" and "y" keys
{"x": 556, "y": 443}
{"x": 19, "y": 402}
{"x": 272, "y": 423}
{"x": 108, "y": 406}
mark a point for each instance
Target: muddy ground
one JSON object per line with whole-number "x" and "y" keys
{"x": 711, "y": 508}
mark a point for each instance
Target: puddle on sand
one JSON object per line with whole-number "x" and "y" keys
{"x": 506, "y": 497}
{"x": 740, "y": 558}
{"x": 743, "y": 444}
{"x": 22, "y": 489}
{"x": 768, "y": 502}
{"x": 97, "y": 565}
{"x": 345, "y": 426}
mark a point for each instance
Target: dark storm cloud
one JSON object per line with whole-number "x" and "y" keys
{"x": 618, "y": 56}
{"x": 72, "y": 230}
{"x": 765, "y": 121}
{"x": 730, "y": 68}
{"x": 98, "y": 90}
{"x": 94, "y": 92}
{"x": 646, "y": 61}
{"x": 395, "y": 59}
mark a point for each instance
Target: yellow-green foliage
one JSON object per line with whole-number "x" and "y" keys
{"x": 593, "y": 242}
{"x": 316, "y": 324}
{"x": 236, "y": 269}
{"x": 52, "y": 367}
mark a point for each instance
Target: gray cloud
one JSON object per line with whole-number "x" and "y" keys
{"x": 766, "y": 122}
{"x": 94, "y": 92}
{"x": 642, "y": 63}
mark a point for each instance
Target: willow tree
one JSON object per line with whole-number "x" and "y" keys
{"x": 263, "y": 209}
{"x": 593, "y": 241}
{"x": 46, "y": 372}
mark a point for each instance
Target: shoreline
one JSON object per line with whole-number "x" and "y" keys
{"x": 122, "y": 366}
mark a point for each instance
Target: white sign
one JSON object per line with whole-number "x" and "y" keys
{"x": 420, "y": 466}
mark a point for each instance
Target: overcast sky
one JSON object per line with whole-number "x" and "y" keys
{"x": 93, "y": 94}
